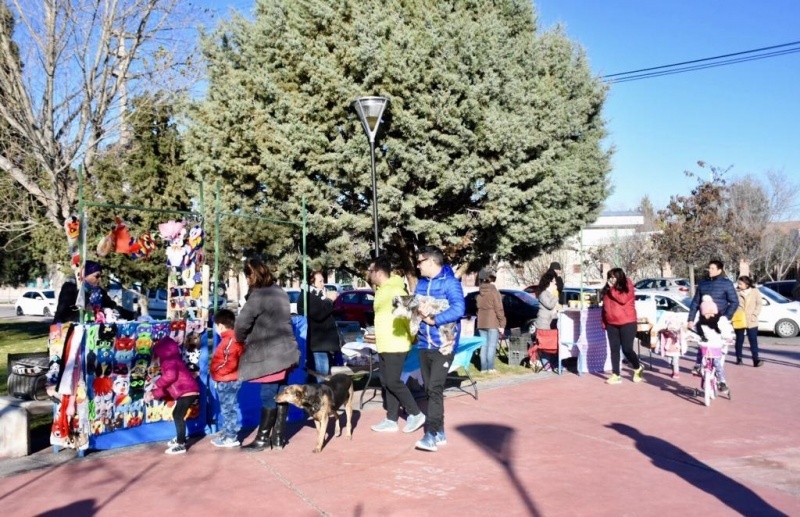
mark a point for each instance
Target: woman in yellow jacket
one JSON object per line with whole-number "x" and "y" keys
{"x": 747, "y": 321}
{"x": 393, "y": 340}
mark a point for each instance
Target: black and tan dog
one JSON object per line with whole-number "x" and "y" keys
{"x": 322, "y": 401}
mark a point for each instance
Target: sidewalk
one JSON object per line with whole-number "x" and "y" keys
{"x": 535, "y": 445}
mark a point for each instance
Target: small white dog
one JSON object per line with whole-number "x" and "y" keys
{"x": 414, "y": 308}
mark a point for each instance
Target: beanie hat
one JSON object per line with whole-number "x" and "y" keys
{"x": 708, "y": 307}
{"x": 485, "y": 274}
{"x": 555, "y": 265}
{"x": 91, "y": 267}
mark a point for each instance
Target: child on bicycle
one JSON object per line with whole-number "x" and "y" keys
{"x": 718, "y": 333}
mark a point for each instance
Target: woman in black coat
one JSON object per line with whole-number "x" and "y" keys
{"x": 323, "y": 336}
{"x": 264, "y": 327}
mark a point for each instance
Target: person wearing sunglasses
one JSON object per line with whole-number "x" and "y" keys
{"x": 437, "y": 280}
{"x": 95, "y": 295}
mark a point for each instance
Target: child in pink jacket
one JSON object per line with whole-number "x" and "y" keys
{"x": 178, "y": 383}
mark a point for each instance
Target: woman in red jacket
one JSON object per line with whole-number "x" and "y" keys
{"x": 619, "y": 320}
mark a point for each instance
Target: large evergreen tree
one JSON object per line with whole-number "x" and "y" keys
{"x": 490, "y": 146}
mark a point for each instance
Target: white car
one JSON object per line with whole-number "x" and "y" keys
{"x": 37, "y": 302}
{"x": 779, "y": 315}
{"x": 678, "y": 286}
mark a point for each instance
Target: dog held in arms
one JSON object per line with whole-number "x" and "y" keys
{"x": 321, "y": 402}
{"x": 414, "y": 308}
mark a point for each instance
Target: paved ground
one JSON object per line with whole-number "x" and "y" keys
{"x": 537, "y": 445}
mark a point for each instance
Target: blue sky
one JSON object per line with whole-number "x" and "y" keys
{"x": 746, "y": 115}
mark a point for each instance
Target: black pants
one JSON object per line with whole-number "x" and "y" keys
{"x": 179, "y": 416}
{"x": 622, "y": 335}
{"x": 434, "y": 367}
{"x": 395, "y": 391}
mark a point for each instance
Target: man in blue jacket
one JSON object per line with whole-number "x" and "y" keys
{"x": 438, "y": 281}
{"x": 721, "y": 291}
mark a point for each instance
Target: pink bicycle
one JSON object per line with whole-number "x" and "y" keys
{"x": 709, "y": 380}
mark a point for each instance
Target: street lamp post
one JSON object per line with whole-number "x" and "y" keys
{"x": 370, "y": 111}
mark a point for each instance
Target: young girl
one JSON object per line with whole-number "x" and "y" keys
{"x": 671, "y": 331}
{"x": 718, "y": 333}
{"x": 178, "y": 382}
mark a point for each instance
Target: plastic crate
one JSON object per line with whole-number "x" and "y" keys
{"x": 518, "y": 349}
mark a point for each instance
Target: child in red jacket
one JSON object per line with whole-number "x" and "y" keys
{"x": 177, "y": 382}
{"x": 224, "y": 371}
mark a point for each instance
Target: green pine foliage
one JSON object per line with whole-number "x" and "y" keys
{"x": 151, "y": 173}
{"x": 490, "y": 145}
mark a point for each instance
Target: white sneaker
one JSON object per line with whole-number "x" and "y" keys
{"x": 385, "y": 426}
{"x": 176, "y": 449}
{"x": 414, "y": 422}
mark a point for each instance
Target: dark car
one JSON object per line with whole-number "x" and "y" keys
{"x": 355, "y": 306}
{"x": 784, "y": 287}
{"x": 520, "y": 307}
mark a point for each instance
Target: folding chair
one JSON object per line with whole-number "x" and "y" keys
{"x": 545, "y": 350}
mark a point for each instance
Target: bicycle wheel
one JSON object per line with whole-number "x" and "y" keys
{"x": 708, "y": 386}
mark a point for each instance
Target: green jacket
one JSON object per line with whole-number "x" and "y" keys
{"x": 391, "y": 334}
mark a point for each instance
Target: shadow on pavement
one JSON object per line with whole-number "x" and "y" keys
{"x": 668, "y": 457}
{"x": 496, "y": 441}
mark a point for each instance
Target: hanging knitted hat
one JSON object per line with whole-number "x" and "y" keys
{"x": 91, "y": 267}
{"x": 708, "y": 307}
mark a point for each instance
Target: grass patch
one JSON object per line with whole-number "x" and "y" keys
{"x": 18, "y": 337}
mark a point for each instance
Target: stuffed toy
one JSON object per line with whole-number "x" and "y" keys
{"x": 143, "y": 246}
{"x": 106, "y": 245}
{"x": 176, "y": 253}
{"x": 171, "y": 230}
{"x": 73, "y": 228}
{"x": 196, "y": 237}
{"x": 122, "y": 238}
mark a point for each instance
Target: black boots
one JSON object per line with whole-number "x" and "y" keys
{"x": 279, "y": 434}
{"x": 262, "y": 440}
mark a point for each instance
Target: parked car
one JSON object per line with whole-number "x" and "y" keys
{"x": 355, "y": 305}
{"x": 338, "y": 288}
{"x": 158, "y": 299}
{"x": 157, "y": 303}
{"x": 520, "y": 308}
{"x": 591, "y": 295}
{"x": 532, "y": 289}
{"x": 666, "y": 301}
{"x": 37, "y": 302}
{"x": 783, "y": 287}
{"x": 675, "y": 285}
{"x": 779, "y": 314}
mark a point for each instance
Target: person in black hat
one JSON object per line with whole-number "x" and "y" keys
{"x": 555, "y": 268}
{"x": 67, "y": 308}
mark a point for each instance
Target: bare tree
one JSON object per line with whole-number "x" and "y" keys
{"x": 781, "y": 252}
{"x": 65, "y": 92}
{"x": 636, "y": 254}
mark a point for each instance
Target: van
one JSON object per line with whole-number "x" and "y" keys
{"x": 157, "y": 303}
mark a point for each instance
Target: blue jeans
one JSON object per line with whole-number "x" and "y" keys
{"x": 269, "y": 390}
{"x": 488, "y": 348}
{"x": 229, "y": 407}
{"x": 752, "y": 338}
